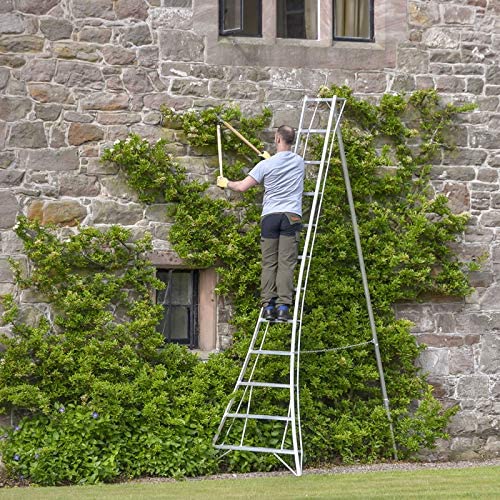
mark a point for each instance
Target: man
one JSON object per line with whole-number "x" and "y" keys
{"x": 283, "y": 179}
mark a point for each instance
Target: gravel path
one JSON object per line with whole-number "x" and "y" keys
{"x": 345, "y": 469}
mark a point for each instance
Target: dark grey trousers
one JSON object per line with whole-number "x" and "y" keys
{"x": 279, "y": 245}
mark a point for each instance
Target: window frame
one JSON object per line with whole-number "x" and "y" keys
{"x": 192, "y": 340}
{"x": 370, "y": 39}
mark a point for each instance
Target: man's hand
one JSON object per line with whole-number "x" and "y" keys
{"x": 265, "y": 155}
{"x": 222, "y": 182}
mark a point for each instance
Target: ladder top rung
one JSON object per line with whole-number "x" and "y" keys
{"x": 276, "y": 353}
{"x": 265, "y": 384}
{"x": 254, "y": 448}
{"x": 253, "y": 416}
{"x": 323, "y": 99}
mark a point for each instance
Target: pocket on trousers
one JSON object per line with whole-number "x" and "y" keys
{"x": 293, "y": 218}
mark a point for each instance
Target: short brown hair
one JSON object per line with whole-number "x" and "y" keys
{"x": 286, "y": 133}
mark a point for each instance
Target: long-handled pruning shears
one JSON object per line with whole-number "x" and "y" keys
{"x": 263, "y": 154}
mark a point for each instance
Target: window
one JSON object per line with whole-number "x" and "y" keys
{"x": 240, "y": 17}
{"x": 297, "y": 19}
{"x": 353, "y": 20}
{"x": 180, "y": 306}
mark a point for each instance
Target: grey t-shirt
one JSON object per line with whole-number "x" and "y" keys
{"x": 283, "y": 179}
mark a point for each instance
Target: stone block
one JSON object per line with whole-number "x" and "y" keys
{"x": 178, "y": 3}
{"x": 493, "y": 75}
{"x": 45, "y": 93}
{"x": 80, "y": 133}
{"x": 6, "y": 274}
{"x": 458, "y": 197}
{"x": 63, "y": 213}
{"x": 181, "y": 19}
{"x": 434, "y": 361}
{"x": 7, "y": 158}
{"x": 21, "y": 43}
{"x": 136, "y": 81}
{"x": 464, "y": 156}
{"x": 148, "y": 57}
{"x": 491, "y": 219}
{"x": 189, "y": 87}
{"x": 4, "y": 77}
{"x": 58, "y": 137}
{"x": 78, "y": 74}
{"x": 475, "y": 86}
{"x": 369, "y": 83}
{"x": 56, "y": 29}
{"x": 131, "y": 9}
{"x": 102, "y": 101}
{"x": 51, "y": 159}
{"x": 95, "y": 166}
{"x": 11, "y": 24}
{"x": 39, "y": 70}
{"x": 117, "y": 187}
{"x": 462, "y": 423}
{"x": 111, "y": 212}
{"x": 102, "y": 9}
{"x": 413, "y": 61}
{"x": 9, "y": 208}
{"x": 78, "y": 185}
{"x": 454, "y": 14}
{"x": 118, "y": 118}
{"x": 177, "y": 45}
{"x": 13, "y": 109}
{"x": 73, "y": 116}
{"x": 118, "y": 56}
{"x": 138, "y": 34}
{"x": 488, "y": 175}
{"x": 473, "y": 387}
{"x": 10, "y": 178}
{"x": 423, "y": 15}
{"x": 27, "y": 135}
{"x": 12, "y": 61}
{"x": 439, "y": 38}
{"x": 95, "y": 34}
{"x": 450, "y": 84}
{"x": 455, "y": 173}
{"x": 75, "y": 50}
{"x": 36, "y": 6}
{"x": 242, "y": 91}
{"x": 461, "y": 361}
{"x": 489, "y": 361}
{"x": 6, "y": 6}
{"x": 487, "y": 139}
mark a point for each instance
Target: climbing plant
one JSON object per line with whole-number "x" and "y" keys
{"x": 100, "y": 396}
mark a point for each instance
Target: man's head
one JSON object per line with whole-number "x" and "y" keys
{"x": 284, "y": 137}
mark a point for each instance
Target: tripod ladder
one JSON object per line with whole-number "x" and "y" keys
{"x": 241, "y": 426}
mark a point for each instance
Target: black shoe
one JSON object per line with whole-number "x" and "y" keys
{"x": 283, "y": 313}
{"x": 269, "y": 313}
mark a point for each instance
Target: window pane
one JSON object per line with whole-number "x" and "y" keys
{"x": 231, "y": 15}
{"x": 297, "y": 19}
{"x": 179, "y": 323}
{"x": 240, "y": 17}
{"x": 352, "y": 18}
{"x": 181, "y": 288}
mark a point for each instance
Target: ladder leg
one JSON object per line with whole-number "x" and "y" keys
{"x": 366, "y": 289}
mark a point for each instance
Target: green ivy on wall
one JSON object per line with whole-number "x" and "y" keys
{"x": 157, "y": 409}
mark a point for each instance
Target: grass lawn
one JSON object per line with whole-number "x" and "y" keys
{"x": 474, "y": 482}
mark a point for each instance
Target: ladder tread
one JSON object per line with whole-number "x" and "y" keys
{"x": 308, "y": 193}
{"x": 255, "y": 416}
{"x": 262, "y": 320}
{"x": 323, "y": 99}
{"x": 275, "y": 385}
{"x": 312, "y": 162}
{"x": 281, "y": 451}
{"x": 270, "y": 352}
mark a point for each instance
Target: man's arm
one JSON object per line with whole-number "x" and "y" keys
{"x": 240, "y": 186}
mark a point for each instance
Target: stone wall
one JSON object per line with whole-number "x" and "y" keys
{"x": 76, "y": 75}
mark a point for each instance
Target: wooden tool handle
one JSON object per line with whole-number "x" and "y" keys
{"x": 219, "y": 149}
{"x": 237, "y": 134}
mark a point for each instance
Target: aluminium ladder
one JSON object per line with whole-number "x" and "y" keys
{"x": 239, "y": 427}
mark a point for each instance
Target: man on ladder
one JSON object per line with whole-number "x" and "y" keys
{"x": 283, "y": 178}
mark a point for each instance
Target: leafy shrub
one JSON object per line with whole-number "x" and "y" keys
{"x": 101, "y": 397}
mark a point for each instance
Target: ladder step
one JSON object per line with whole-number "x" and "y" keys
{"x": 308, "y": 193}
{"x": 300, "y": 257}
{"x": 308, "y": 224}
{"x": 322, "y": 99}
{"x": 259, "y": 417}
{"x": 312, "y": 162}
{"x": 262, "y": 320}
{"x": 278, "y": 451}
{"x": 313, "y": 131}
{"x": 265, "y": 384}
{"x": 276, "y": 353}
